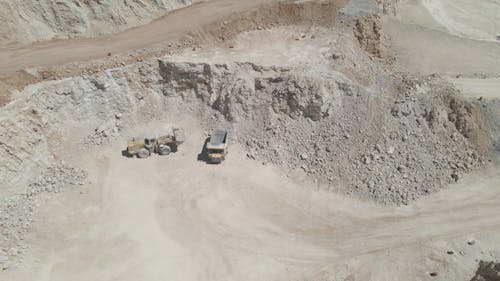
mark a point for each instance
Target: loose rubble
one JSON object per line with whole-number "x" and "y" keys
{"x": 391, "y": 144}
{"x": 417, "y": 140}
{"x": 18, "y": 212}
{"x": 51, "y": 20}
{"x": 56, "y": 178}
{"x": 105, "y": 132}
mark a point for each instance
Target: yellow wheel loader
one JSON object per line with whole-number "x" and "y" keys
{"x": 162, "y": 145}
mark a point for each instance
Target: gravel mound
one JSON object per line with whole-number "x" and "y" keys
{"x": 368, "y": 32}
{"x": 392, "y": 148}
{"x": 55, "y": 178}
{"x": 18, "y": 212}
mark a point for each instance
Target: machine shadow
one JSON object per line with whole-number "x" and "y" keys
{"x": 203, "y": 155}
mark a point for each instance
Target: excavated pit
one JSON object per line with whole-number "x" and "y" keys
{"x": 315, "y": 99}
{"x": 412, "y": 140}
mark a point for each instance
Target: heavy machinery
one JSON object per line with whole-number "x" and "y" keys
{"x": 217, "y": 146}
{"x": 162, "y": 145}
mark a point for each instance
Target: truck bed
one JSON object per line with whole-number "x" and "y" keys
{"x": 217, "y": 139}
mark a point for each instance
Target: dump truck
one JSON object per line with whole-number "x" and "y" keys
{"x": 162, "y": 145}
{"x": 217, "y": 146}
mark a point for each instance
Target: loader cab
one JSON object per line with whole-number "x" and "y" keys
{"x": 149, "y": 143}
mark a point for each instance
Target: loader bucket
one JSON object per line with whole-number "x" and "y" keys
{"x": 179, "y": 136}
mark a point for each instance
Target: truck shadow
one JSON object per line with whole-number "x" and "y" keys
{"x": 203, "y": 155}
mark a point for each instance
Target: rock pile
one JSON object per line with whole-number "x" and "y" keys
{"x": 422, "y": 147}
{"x": 18, "y": 212}
{"x": 391, "y": 147}
{"x": 56, "y": 178}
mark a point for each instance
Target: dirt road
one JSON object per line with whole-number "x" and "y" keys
{"x": 426, "y": 41}
{"x": 184, "y": 219}
{"x": 170, "y": 27}
{"x": 487, "y": 88}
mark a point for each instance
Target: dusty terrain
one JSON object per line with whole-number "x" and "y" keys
{"x": 229, "y": 226}
{"x": 357, "y": 152}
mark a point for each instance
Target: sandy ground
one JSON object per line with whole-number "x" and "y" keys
{"x": 478, "y": 20}
{"x": 424, "y": 45}
{"x": 178, "y": 217}
{"x": 278, "y": 46}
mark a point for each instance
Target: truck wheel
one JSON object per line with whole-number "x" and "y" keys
{"x": 143, "y": 153}
{"x": 215, "y": 161}
{"x": 164, "y": 150}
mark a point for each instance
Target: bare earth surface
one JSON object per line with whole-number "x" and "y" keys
{"x": 171, "y": 27}
{"x": 25, "y": 22}
{"x": 177, "y": 218}
{"x": 244, "y": 221}
{"x": 479, "y": 87}
{"x": 425, "y": 46}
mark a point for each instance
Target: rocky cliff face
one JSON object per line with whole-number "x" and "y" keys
{"x": 29, "y": 21}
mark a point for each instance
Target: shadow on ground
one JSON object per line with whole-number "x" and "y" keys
{"x": 203, "y": 155}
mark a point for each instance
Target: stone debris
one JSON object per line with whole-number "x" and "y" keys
{"x": 18, "y": 212}
{"x": 66, "y": 19}
{"x": 56, "y": 178}
{"x": 405, "y": 149}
